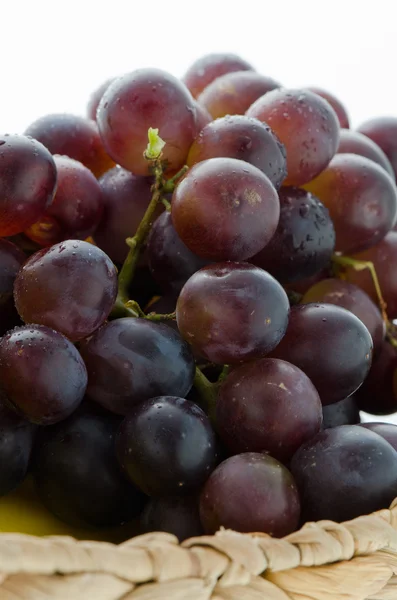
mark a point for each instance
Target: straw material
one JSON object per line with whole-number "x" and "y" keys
{"x": 323, "y": 561}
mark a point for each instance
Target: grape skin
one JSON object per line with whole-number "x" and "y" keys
{"x": 207, "y": 68}
{"x": 354, "y": 142}
{"x": 383, "y": 131}
{"x": 178, "y": 515}
{"x": 378, "y": 395}
{"x": 344, "y": 412}
{"x": 338, "y": 107}
{"x": 95, "y": 98}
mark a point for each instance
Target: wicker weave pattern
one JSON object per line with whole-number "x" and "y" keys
{"x": 322, "y": 561}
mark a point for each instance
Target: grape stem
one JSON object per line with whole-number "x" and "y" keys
{"x": 158, "y": 317}
{"x": 208, "y": 393}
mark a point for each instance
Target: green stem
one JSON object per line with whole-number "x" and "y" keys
{"x": 171, "y": 183}
{"x": 158, "y": 317}
{"x": 208, "y": 393}
{"x": 224, "y": 373}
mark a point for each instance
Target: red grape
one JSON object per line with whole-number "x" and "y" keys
{"x": 361, "y": 198}
{"x": 319, "y": 340}
{"x": 268, "y": 406}
{"x": 233, "y": 93}
{"x": 345, "y": 472}
{"x": 386, "y": 430}
{"x": 384, "y": 258}
{"x": 383, "y": 131}
{"x": 338, "y": 107}
{"x": 344, "y": 412}
{"x": 353, "y": 142}
{"x": 28, "y": 182}
{"x": 304, "y": 240}
{"x": 95, "y": 98}
{"x": 70, "y": 287}
{"x": 166, "y": 446}
{"x": 203, "y": 117}
{"x": 142, "y": 99}
{"x": 225, "y": 209}
{"x": 170, "y": 261}
{"x": 42, "y": 374}
{"x": 376, "y": 395}
{"x": 73, "y": 136}
{"x": 349, "y": 296}
{"x": 243, "y": 138}
{"x": 76, "y": 209}
{"x": 250, "y": 492}
{"x": 131, "y": 360}
{"x": 207, "y": 68}
{"x": 77, "y": 475}
{"x": 126, "y": 197}
{"x": 230, "y": 312}
{"x": 178, "y": 515}
{"x": 306, "y": 125}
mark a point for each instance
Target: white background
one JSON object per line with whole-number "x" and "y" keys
{"x": 53, "y": 53}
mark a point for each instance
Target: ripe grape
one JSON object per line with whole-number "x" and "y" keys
{"x": 384, "y": 258}
{"x": 73, "y": 136}
{"x": 338, "y": 107}
{"x": 170, "y": 260}
{"x": 139, "y": 100}
{"x": 131, "y": 360}
{"x": 76, "y": 209}
{"x": 42, "y": 375}
{"x": 250, "y": 492}
{"x": 207, "y": 68}
{"x": 383, "y": 131}
{"x": 77, "y": 475}
{"x": 95, "y": 98}
{"x": 225, "y": 209}
{"x": 28, "y": 182}
{"x": 354, "y": 142}
{"x": 307, "y": 126}
{"x": 166, "y": 445}
{"x": 230, "y": 312}
{"x": 319, "y": 340}
{"x": 349, "y": 296}
{"x": 70, "y": 287}
{"x": 304, "y": 240}
{"x": 233, "y": 93}
{"x": 268, "y": 406}
{"x": 243, "y": 138}
{"x": 361, "y": 198}
{"x": 345, "y": 472}
{"x": 178, "y": 515}
{"x": 376, "y": 395}
{"x": 126, "y": 198}
{"x": 203, "y": 117}
{"x": 386, "y": 430}
{"x": 16, "y": 442}
{"x": 344, "y": 412}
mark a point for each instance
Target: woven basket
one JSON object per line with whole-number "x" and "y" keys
{"x": 323, "y": 561}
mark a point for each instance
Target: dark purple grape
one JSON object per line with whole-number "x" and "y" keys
{"x": 268, "y": 406}
{"x": 178, "y": 515}
{"x": 42, "y": 374}
{"x": 349, "y": 296}
{"x": 377, "y": 395}
{"x": 131, "y": 360}
{"x": 211, "y": 66}
{"x": 383, "y": 131}
{"x": 225, "y": 209}
{"x": 345, "y": 472}
{"x": 28, "y": 182}
{"x": 233, "y": 93}
{"x": 336, "y": 104}
{"x": 250, "y": 492}
{"x": 243, "y": 138}
{"x": 304, "y": 240}
{"x": 73, "y": 136}
{"x": 386, "y": 430}
{"x": 137, "y": 101}
{"x": 166, "y": 446}
{"x": 95, "y": 98}
{"x": 344, "y": 412}
{"x": 70, "y": 287}
{"x": 16, "y": 442}
{"x": 231, "y": 312}
{"x": 11, "y": 260}
{"x": 354, "y": 142}
{"x": 77, "y": 475}
{"x": 77, "y": 207}
{"x": 170, "y": 260}
{"x": 361, "y": 198}
{"x": 319, "y": 340}
{"x": 307, "y": 126}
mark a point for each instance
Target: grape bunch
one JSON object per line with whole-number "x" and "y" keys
{"x": 197, "y": 300}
